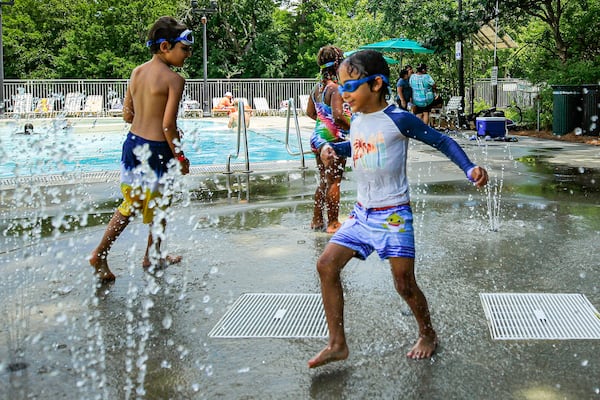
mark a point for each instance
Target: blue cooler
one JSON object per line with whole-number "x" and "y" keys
{"x": 491, "y": 126}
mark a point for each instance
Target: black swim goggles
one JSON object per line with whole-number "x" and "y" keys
{"x": 352, "y": 85}
{"x": 186, "y": 38}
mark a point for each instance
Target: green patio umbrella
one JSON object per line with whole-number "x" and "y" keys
{"x": 389, "y": 60}
{"x": 398, "y": 45}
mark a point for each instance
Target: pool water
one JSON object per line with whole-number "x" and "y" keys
{"x": 97, "y": 147}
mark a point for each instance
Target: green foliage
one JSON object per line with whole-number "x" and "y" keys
{"x": 272, "y": 38}
{"x": 480, "y": 105}
{"x": 74, "y": 39}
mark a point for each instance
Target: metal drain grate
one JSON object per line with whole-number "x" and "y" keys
{"x": 513, "y": 316}
{"x": 271, "y": 315}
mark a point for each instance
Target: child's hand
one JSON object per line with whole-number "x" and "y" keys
{"x": 185, "y": 166}
{"x": 478, "y": 176}
{"x": 328, "y": 155}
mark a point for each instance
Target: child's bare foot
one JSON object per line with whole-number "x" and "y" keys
{"x": 317, "y": 225}
{"x": 163, "y": 262}
{"x": 100, "y": 264}
{"x": 424, "y": 348}
{"x": 327, "y": 355}
{"x": 333, "y": 227}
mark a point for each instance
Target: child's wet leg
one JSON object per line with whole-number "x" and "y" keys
{"x": 317, "y": 222}
{"x": 153, "y": 251}
{"x": 334, "y": 181}
{"x": 406, "y": 285}
{"x": 98, "y": 258}
{"x": 329, "y": 266}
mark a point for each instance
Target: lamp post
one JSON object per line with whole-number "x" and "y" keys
{"x": 2, "y": 3}
{"x": 204, "y": 20}
{"x": 461, "y": 69}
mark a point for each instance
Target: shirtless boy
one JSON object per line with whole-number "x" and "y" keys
{"x": 152, "y": 148}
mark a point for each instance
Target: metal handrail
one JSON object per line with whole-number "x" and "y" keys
{"x": 291, "y": 111}
{"x": 241, "y": 125}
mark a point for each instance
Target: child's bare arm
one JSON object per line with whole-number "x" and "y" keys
{"x": 128, "y": 107}
{"x": 176, "y": 86}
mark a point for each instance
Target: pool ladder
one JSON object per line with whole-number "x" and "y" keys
{"x": 291, "y": 111}
{"x": 243, "y": 133}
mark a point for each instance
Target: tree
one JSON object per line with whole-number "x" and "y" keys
{"x": 74, "y": 39}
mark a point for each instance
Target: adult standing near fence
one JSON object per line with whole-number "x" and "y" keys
{"x": 404, "y": 96}
{"x": 325, "y": 105}
{"x": 423, "y": 92}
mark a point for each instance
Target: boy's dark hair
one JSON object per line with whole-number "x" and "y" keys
{"x": 329, "y": 59}
{"x": 403, "y": 72}
{"x": 369, "y": 62}
{"x": 164, "y": 28}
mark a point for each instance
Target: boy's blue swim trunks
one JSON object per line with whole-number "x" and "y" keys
{"x": 387, "y": 230}
{"x": 143, "y": 163}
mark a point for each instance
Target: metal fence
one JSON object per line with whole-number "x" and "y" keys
{"x": 508, "y": 92}
{"x": 274, "y": 90}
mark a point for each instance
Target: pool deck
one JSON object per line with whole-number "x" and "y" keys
{"x": 80, "y": 341}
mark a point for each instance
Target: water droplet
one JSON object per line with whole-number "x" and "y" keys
{"x": 167, "y": 321}
{"x": 206, "y": 299}
{"x": 243, "y": 370}
{"x": 585, "y": 363}
{"x": 61, "y": 318}
{"x": 578, "y": 131}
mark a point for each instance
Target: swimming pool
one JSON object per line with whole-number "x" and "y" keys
{"x": 91, "y": 146}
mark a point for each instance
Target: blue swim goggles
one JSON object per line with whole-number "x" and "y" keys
{"x": 186, "y": 37}
{"x": 351, "y": 86}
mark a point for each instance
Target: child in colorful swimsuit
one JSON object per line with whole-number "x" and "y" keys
{"x": 325, "y": 105}
{"x": 382, "y": 219}
{"x": 151, "y": 155}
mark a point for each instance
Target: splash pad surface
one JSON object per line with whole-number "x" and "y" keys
{"x": 147, "y": 335}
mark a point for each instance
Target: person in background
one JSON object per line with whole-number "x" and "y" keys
{"x": 423, "y": 92}
{"x": 404, "y": 91}
{"x": 325, "y": 106}
{"x": 233, "y": 116}
{"x": 226, "y": 103}
{"x": 152, "y": 156}
{"x": 382, "y": 218}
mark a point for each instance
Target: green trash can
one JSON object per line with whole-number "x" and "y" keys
{"x": 566, "y": 110}
{"x": 590, "y": 123}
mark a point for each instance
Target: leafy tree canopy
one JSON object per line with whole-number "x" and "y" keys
{"x": 280, "y": 38}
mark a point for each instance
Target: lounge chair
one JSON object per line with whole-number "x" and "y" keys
{"x": 245, "y": 100}
{"x": 115, "y": 107}
{"x": 93, "y": 105}
{"x": 303, "y": 102}
{"x": 44, "y": 107}
{"x": 452, "y": 111}
{"x": 22, "y": 104}
{"x": 191, "y": 108}
{"x": 73, "y": 104}
{"x": 261, "y": 106}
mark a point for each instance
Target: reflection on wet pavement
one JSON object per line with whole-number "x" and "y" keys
{"x": 146, "y": 335}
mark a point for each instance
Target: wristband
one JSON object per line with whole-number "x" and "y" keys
{"x": 181, "y": 158}
{"x": 469, "y": 174}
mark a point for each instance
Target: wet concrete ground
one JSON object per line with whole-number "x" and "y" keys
{"x": 145, "y": 336}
